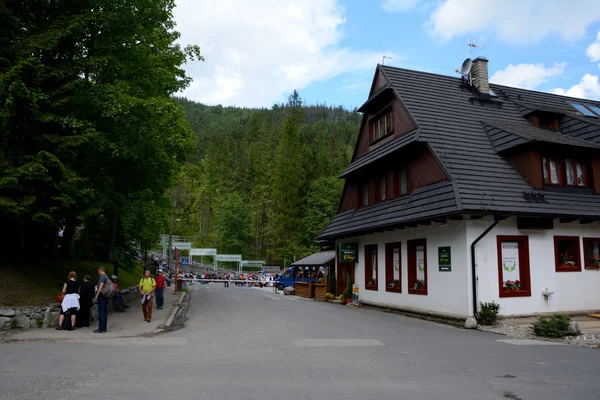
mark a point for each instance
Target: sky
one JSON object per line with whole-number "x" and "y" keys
{"x": 257, "y": 52}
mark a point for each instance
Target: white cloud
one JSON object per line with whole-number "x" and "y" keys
{"x": 587, "y": 88}
{"x": 515, "y": 21}
{"x": 257, "y": 51}
{"x": 393, "y": 6}
{"x": 593, "y": 51}
{"x": 527, "y": 76}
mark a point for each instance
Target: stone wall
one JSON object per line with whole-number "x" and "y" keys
{"x": 47, "y": 317}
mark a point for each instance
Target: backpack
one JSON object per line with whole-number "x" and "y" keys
{"x": 66, "y": 325}
{"x": 108, "y": 290}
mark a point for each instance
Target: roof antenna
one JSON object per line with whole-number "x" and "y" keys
{"x": 472, "y": 46}
{"x": 384, "y": 58}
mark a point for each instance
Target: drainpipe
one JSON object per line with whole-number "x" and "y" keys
{"x": 473, "y": 269}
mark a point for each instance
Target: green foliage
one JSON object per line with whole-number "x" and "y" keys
{"x": 554, "y": 326}
{"x": 14, "y": 323}
{"x": 348, "y": 290}
{"x": 39, "y": 323}
{"x": 282, "y": 163}
{"x": 90, "y": 139}
{"x": 331, "y": 284}
{"x": 488, "y": 315}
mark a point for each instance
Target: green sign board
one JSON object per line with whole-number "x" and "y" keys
{"x": 117, "y": 253}
{"x": 444, "y": 258}
{"x": 348, "y": 252}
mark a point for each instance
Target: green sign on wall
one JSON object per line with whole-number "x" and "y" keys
{"x": 444, "y": 258}
{"x": 348, "y": 252}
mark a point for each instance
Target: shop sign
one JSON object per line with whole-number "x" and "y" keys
{"x": 348, "y": 252}
{"x": 444, "y": 258}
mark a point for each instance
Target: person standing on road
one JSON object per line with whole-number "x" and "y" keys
{"x": 70, "y": 303}
{"x": 147, "y": 287}
{"x": 102, "y": 301}
{"x": 160, "y": 290}
{"x": 86, "y": 301}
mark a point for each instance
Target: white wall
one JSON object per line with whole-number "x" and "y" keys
{"x": 448, "y": 292}
{"x": 573, "y": 291}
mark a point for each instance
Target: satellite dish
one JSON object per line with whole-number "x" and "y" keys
{"x": 465, "y": 69}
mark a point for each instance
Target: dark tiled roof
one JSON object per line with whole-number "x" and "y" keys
{"x": 481, "y": 180}
{"x": 417, "y": 206}
{"x": 509, "y": 135}
{"x": 381, "y": 151}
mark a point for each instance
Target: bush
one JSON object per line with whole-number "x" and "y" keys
{"x": 14, "y": 323}
{"x": 331, "y": 283}
{"x": 39, "y": 323}
{"x": 489, "y": 313}
{"x": 348, "y": 291}
{"x": 554, "y": 326}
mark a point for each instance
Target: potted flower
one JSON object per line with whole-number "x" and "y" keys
{"x": 321, "y": 280}
{"x": 593, "y": 263}
{"x": 395, "y": 283}
{"x": 372, "y": 282}
{"x": 329, "y": 296}
{"x": 419, "y": 284}
{"x": 567, "y": 261}
{"x": 513, "y": 285}
{"x": 342, "y": 298}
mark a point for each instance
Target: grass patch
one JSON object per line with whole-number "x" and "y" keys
{"x": 38, "y": 284}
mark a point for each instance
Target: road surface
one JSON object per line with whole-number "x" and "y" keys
{"x": 242, "y": 343}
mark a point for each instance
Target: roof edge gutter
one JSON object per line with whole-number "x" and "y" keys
{"x": 473, "y": 266}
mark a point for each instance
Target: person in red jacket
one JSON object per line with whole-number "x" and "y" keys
{"x": 160, "y": 290}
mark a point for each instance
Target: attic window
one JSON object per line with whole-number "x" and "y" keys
{"x": 594, "y": 108}
{"x": 381, "y": 125}
{"x": 583, "y": 110}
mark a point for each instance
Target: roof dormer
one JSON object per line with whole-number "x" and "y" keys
{"x": 545, "y": 120}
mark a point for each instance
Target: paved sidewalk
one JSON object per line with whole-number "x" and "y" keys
{"x": 128, "y": 324}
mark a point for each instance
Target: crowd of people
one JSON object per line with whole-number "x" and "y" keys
{"x": 79, "y": 298}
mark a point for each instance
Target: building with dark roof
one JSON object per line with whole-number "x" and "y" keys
{"x": 460, "y": 191}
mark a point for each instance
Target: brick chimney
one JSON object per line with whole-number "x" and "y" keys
{"x": 479, "y": 75}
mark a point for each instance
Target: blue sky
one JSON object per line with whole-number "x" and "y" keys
{"x": 258, "y": 52}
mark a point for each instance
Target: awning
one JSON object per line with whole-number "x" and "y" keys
{"x": 320, "y": 258}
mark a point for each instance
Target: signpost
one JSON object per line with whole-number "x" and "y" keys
{"x": 348, "y": 252}
{"x": 445, "y": 259}
{"x": 117, "y": 253}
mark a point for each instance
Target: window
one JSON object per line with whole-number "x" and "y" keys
{"x": 381, "y": 125}
{"x": 393, "y": 267}
{"x": 382, "y": 188}
{"x": 566, "y": 253}
{"x": 582, "y": 110}
{"x": 567, "y": 172}
{"x": 513, "y": 266}
{"x": 417, "y": 266}
{"x": 591, "y": 252}
{"x": 371, "y": 267}
{"x": 551, "y": 171}
{"x": 402, "y": 187}
{"x": 548, "y": 121}
{"x": 365, "y": 194}
{"x": 594, "y": 108}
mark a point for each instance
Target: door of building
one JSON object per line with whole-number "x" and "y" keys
{"x": 345, "y": 271}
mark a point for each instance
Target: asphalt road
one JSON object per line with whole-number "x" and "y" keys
{"x": 243, "y": 343}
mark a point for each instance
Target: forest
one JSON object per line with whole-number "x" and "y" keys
{"x": 262, "y": 182}
{"x": 97, "y": 152}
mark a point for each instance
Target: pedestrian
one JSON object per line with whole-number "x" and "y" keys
{"x": 160, "y": 290}
{"x": 118, "y": 299}
{"x": 102, "y": 301}
{"x": 86, "y": 301}
{"x": 147, "y": 287}
{"x": 70, "y": 303}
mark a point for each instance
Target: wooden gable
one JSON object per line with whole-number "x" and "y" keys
{"x": 402, "y": 123}
{"x": 379, "y": 81}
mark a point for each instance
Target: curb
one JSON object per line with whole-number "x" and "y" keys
{"x": 175, "y": 311}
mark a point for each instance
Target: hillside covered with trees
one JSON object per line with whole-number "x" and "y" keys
{"x": 262, "y": 182}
